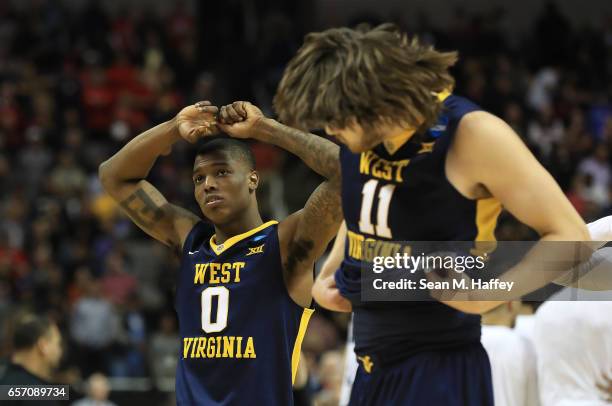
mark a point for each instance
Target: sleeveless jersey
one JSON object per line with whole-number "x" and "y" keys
{"x": 241, "y": 332}
{"x": 406, "y": 196}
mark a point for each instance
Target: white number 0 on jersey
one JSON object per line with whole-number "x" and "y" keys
{"x": 220, "y": 323}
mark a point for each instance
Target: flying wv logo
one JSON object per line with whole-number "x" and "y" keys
{"x": 256, "y": 250}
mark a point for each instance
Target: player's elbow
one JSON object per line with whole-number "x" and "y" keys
{"x": 318, "y": 291}
{"x": 334, "y": 301}
{"x": 104, "y": 174}
{"x": 575, "y": 231}
{"x": 582, "y": 232}
{"x": 107, "y": 177}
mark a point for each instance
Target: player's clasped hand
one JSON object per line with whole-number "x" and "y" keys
{"x": 239, "y": 119}
{"x": 202, "y": 119}
{"x": 196, "y": 121}
{"x": 233, "y": 113}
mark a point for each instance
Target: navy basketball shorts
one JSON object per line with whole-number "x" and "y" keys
{"x": 450, "y": 377}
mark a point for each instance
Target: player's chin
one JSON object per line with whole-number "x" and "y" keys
{"x": 218, "y": 214}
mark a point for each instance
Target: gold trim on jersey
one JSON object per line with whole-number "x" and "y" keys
{"x": 443, "y": 94}
{"x": 218, "y": 249}
{"x": 487, "y": 213}
{"x": 297, "y": 347}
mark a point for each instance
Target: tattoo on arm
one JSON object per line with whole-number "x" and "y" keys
{"x": 299, "y": 251}
{"x": 321, "y": 155}
{"x": 318, "y": 224}
{"x": 142, "y": 209}
{"x": 150, "y": 216}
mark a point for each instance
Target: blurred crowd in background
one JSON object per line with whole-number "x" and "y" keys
{"x": 77, "y": 84}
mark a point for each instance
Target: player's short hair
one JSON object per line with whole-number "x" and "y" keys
{"x": 371, "y": 74}
{"x": 237, "y": 149}
{"x": 28, "y": 329}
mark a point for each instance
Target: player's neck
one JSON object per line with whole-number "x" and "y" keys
{"x": 397, "y": 140}
{"x": 32, "y": 363}
{"x": 248, "y": 220}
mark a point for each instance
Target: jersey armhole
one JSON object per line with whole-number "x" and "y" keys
{"x": 310, "y": 306}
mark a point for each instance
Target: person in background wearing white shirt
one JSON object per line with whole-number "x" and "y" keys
{"x": 98, "y": 390}
{"x": 525, "y": 320}
{"x": 600, "y": 231}
{"x": 514, "y": 360}
{"x": 512, "y": 357}
{"x": 574, "y": 345}
{"x": 598, "y": 167}
{"x": 573, "y": 340}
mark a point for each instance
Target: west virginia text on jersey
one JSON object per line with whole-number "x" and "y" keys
{"x": 241, "y": 332}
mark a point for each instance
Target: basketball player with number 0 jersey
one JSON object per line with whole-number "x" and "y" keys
{"x": 243, "y": 291}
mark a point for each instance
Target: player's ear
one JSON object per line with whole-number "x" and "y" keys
{"x": 253, "y": 181}
{"x": 42, "y": 346}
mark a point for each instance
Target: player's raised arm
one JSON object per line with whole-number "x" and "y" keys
{"x": 123, "y": 175}
{"x": 244, "y": 120}
{"x": 324, "y": 290}
{"x": 304, "y": 235}
{"x": 495, "y": 162}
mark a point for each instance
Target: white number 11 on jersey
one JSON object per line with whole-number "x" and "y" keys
{"x": 385, "y": 193}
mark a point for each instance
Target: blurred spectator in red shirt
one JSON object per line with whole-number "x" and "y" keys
{"x": 117, "y": 284}
{"x": 98, "y": 99}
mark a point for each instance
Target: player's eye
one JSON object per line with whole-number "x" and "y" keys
{"x": 222, "y": 172}
{"x": 198, "y": 179}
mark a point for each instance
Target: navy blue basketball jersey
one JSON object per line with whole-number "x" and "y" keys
{"x": 241, "y": 332}
{"x": 406, "y": 196}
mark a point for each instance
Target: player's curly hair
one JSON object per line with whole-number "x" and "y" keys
{"x": 369, "y": 74}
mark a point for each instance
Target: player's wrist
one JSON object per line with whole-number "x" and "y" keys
{"x": 265, "y": 128}
{"x": 172, "y": 132}
{"x": 172, "y": 127}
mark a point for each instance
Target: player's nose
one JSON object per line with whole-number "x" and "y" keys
{"x": 210, "y": 183}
